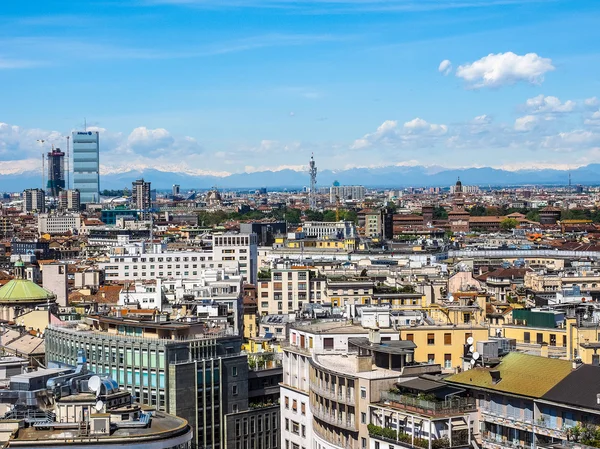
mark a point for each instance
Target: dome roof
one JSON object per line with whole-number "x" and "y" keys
{"x": 22, "y": 290}
{"x": 458, "y": 183}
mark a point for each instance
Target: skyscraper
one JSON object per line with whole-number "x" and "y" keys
{"x": 141, "y": 196}
{"x": 69, "y": 201}
{"x": 56, "y": 172}
{"x": 86, "y": 165}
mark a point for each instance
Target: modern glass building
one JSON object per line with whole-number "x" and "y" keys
{"x": 86, "y": 165}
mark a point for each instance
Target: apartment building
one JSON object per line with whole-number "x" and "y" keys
{"x": 588, "y": 281}
{"x": 240, "y": 248}
{"x": 34, "y": 200}
{"x": 287, "y": 290}
{"x": 69, "y": 201}
{"x": 517, "y": 400}
{"x": 130, "y": 262}
{"x": 329, "y": 229}
{"x": 58, "y": 224}
{"x": 349, "y": 291}
{"x": 343, "y": 193}
{"x": 443, "y": 344}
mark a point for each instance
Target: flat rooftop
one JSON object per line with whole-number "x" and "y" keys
{"x": 162, "y": 426}
{"x": 347, "y": 364}
{"x": 337, "y": 327}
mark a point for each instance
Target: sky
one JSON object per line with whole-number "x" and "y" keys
{"x": 230, "y": 86}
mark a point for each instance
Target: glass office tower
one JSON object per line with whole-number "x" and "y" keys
{"x": 86, "y": 165}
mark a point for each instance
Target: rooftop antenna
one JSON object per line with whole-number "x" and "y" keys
{"x": 569, "y": 181}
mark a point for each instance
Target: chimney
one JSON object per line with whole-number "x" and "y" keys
{"x": 495, "y": 376}
{"x": 374, "y": 336}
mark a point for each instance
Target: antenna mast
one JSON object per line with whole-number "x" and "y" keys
{"x": 312, "y": 199}
{"x": 68, "y": 164}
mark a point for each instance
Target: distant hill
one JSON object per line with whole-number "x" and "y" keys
{"x": 392, "y": 176}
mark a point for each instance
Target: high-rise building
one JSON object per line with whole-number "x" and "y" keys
{"x": 176, "y": 190}
{"x": 337, "y": 192}
{"x": 141, "y": 196}
{"x": 56, "y": 172}
{"x": 34, "y": 200}
{"x": 69, "y": 201}
{"x": 86, "y": 165}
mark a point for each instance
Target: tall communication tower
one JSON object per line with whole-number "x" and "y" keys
{"x": 312, "y": 198}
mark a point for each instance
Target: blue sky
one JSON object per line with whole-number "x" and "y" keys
{"x": 223, "y": 86}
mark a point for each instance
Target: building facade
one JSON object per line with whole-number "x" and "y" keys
{"x": 241, "y": 248}
{"x": 34, "y": 200}
{"x": 346, "y": 193}
{"x": 141, "y": 196}
{"x": 86, "y": 165}
{"x": 58, "y": 223}
{"x": 69, "y": 201}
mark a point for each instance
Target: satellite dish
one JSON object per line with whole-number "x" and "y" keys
{"x": 94, "y": 384}
{"x": 99, "y": 406}
{"x": 450, "y": 298}
{"x": 586, "y": 316}
{"x": 471, "y": 348}
{"x": 470, "y": 340}
{"x": 475, "y": 356}
{"x": 473, "y": 362}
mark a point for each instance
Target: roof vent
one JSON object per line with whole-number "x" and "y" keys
{"x": 495, "y": 376}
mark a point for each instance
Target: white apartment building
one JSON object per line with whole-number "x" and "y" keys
{"x": 139, "y": 261}
{"x": 241, "y": 248}
{"x": 58, "y": 224}
{"x": 329, "y": 229}
{"x": 346, "y": 193}
{"x": 142, "y": 295}
{"x": 298, "y": 422}
{"x": 286, "y": 291}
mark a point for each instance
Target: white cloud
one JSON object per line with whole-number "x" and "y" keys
{"x": 542, "y": 104}
{"x": 495, "y": 70}
{"x": 571, "y": 141}
{"x": 445, "y": 67}
{"x": 591, "y": 102}
{"x": 594, "y": 119}
{"x": 419, "y": 125}
{"x": 526, "y": 123}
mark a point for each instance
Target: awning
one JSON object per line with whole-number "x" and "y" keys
{"x": 268, "y": 335}
{"x": 460, "y": 425}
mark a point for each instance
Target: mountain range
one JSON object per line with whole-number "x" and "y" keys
{"x": 392, "y": 176}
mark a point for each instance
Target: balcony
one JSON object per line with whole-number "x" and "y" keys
{"x": 496, "y": 441}
{"x": 454, "y": 406}
{"x": 328, "y": 393}
{"x": 407, "y": 441}
{"x": 334, "y": 440}
{"x": 343, "y": 423}
{"x": 295, "y": 348}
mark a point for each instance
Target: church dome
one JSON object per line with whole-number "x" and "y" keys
{"x": 23, "y": 290}
{"x": 458, "y": 183}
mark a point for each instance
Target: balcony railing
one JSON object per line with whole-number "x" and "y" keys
{"x": 328, "y": 393}
{"x": 412, "y": 403}
{"x": 335, "y": 440}
{"x": 497, "y": 441}
{"x": 337, "y": 421}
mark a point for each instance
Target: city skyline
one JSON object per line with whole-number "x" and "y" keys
{"x": 208, "y": 88}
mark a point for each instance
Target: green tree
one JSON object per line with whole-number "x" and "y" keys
{"x": 313, "y": 215}
{"x": 293, "y": 215}
{"x": 439, "y": 213}
{"x": 508, "y": 223}
{"x": 477, "y": 211}
{"x": 533, "y": 215}
{"x": 329, "y": 215}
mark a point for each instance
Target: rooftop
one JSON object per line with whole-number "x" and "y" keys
{"x": 347, "y": 364}
{"x": 578, "y": 389}
{"x": 22, "y": 290}
{"x": 336, "y": 327}
{"x": 520, "y": 374}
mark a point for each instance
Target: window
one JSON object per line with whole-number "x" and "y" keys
{"x": 287, "y": 424}
{"x": 564, "y": 341}
{"x": 376, "y": 444}
{"x": 363, "y": 443}
{"x": 539, "y": 338}
{"x": 430, "y": 358}
{"x": 303, "y": 431}
{"x": 328, "y": 343}
{"x": 447, "y": 339}
{"x": 234, "y": 390}
{"x": 295, "y": 428}
{"x": 363, "y": 417}
{"x": 295, "y": 405}
{"x": 430, "y": 339}
{"x": 303, "y": 408}
{"x": 410, "y": 337}
{"x": 287, "y": 402}
{"x": 447, "y": 361}
{"x": 234, "y": 371}
{"x": 526, "y": 337}
{"x": 363, "y": 393}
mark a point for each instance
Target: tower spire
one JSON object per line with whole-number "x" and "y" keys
{"x": 312, "y": 199}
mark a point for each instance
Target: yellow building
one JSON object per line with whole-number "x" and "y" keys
{"x": 444, "y": 345}
{"x": 250, "y": 314}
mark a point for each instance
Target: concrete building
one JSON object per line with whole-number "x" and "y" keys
{"x": 59, "y": 223}
{"x": 333, "y": 229}
{"x": 287, "y": 290}
{"x": 141, "y": 197}
{"x": 34, "y": 200}
{"x": 346, "y": 193}
{"x": 69, "y": 201}
{"x": 86, "y": 165}
{"x": 265, "y": 232}
{"x": 241, "y": 248}
{"x": 55, "y": 279}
